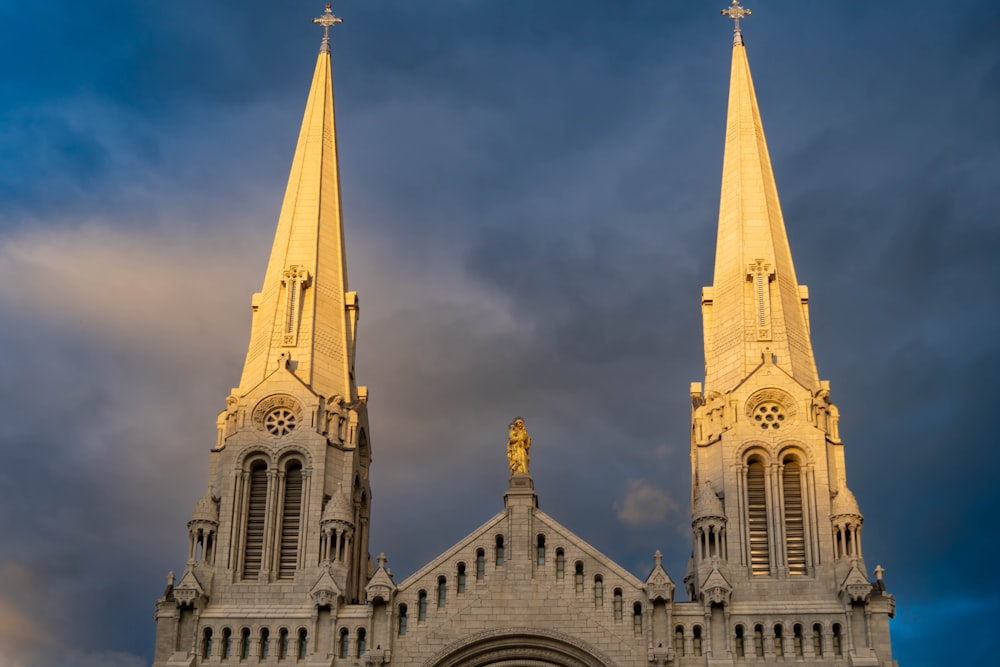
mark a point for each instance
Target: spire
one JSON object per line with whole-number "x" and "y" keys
{"x": 304, "y": 318}
{"x": 755, "y": 308}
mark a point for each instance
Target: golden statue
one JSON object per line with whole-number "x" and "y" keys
{"x": 518, "y": 444}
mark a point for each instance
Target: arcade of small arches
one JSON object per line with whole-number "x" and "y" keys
{"x": 761, "y": 640}
{"x": 260, "y": 644}
{"x": 542, "y": 559}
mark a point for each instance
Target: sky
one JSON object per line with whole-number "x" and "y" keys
{"x": 530, "y": 191}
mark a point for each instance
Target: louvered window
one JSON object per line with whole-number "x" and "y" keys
{"x": 760, "y": 557}
{"x": 256, "y": 509}
{"x": 795, "y": 539}
{"x": 291, "y": 520}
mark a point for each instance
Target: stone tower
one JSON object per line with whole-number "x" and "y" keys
{"x": 278, "y": 570}
{"x": 279, "y": 541}
{"x": 777, "y": 531}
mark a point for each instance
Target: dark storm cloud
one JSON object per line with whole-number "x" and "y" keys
{"x": 531, "y": 192}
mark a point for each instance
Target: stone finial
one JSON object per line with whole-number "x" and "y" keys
{"x": 658, "y": 558}
{"x": 382, "y": 560}
{"x": 170, "y": 578}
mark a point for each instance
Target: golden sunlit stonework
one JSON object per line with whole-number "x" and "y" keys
{"x": 279, "y": 570}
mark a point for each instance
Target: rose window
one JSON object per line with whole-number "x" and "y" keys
{"x": 769, "y": 415}
{"x": 280, "y": 421}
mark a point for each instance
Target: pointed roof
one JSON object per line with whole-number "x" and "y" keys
{"x": 755, "y": 303}
{"x": 303, "y": 308}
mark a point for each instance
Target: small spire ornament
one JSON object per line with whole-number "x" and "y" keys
{"x": 735, "y": 11}
{"x": 328, "y": 19}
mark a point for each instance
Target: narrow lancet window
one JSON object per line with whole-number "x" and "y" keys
{"x": 760, "y": 556}
{"x": 253, "y": 550}
{"x": 795, "y": 539}
{"x": 291, "y": 521}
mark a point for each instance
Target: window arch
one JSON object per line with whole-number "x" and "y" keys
{"x": 480, "y": 564}
{"x": 679, "y": 640}
{"x": 540, "y": 550}
{"x": 696, "y": 640}
{"x": 244, "y": 643}
{"x": 422, "y": 606}
{"x": 637, "y": 618}
{"x": 265, "y": 643}
{"x": 818, "y": 640}
{"x": 757, "y": 522}
{"x": 303, "y": 645}
{"x": 362, "y": 642}
{"x": 499, "y": 550}
{"x": 779, "y": 641}
{"x": 460, "y": 578}
{"x": 797, "y": 640}
{"x": 838, "y": 641}
{"x": 560, "y": 563}
{"x": 618, "y": 604}
{"x": 578, "y": 567}
{"x": 282, "y": 643}
{"x": 291, "y": 520}
{"x": 403, "y": 620}
{"x": 253, "y": 544}
{"x": 758, "y": 640}
{"x": 344, "y": 645}
{"x": 795, "y": 532}
{"x": 227, "y": 642}
{"x": 598, "y": 590}
{"x": 206, "y": 643}
{"x": 741, "y": 648}
{"x": 442, "y": 591}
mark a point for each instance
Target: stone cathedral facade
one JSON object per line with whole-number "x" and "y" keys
{"x": 279, "y": 571}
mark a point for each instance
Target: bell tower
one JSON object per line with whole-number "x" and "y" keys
{"x": 282, "y": 531}
{"x": 772, "y": 515}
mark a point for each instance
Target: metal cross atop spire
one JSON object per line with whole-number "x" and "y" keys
{"x": 327, "y": 20}
{"x": 736, "y": 12}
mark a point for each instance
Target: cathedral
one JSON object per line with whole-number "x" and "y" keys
{"x": 279, "y": 570}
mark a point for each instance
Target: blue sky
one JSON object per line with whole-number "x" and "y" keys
{"x": 531, "y": 192}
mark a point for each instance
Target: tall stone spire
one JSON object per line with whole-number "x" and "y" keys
{"x": 755, "y": 306}
{"x": 304, "y": 317}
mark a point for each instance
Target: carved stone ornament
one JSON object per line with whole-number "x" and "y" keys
{"x": 716, "y": 595}
{"x": 278, "y": 414}
{"x": 775, "y": 402}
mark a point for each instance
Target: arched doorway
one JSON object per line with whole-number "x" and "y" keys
{"x": 519, "y": 647}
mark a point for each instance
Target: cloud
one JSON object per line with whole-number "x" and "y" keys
{"x": 644, "y": 504}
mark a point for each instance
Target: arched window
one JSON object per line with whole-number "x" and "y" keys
{"x": 637, "y": 618}
{"x": 758, "y": 640}
{"x": 402, "y": 619}
{"x": 779, "y": 642}
{"x": 560, "y": 563}
{"x": 206, "y": 643}
{"x": 679, "y": 640}
{"x": 303, "y": 646}
{"x": 344, "y": 647}
{"x": 838, "y": 643}
{"x": 460, "y": 579}
{"x": 291, "y": 521}
{"x": 227, "y": 642}
{"x": 265, "y": 642}
{"x": 499, "y": 550}
{"x": 480, "y": 564}
{"x": 283, "y": 643}
{"x": 696, "y": 640}
{"x": 442, "y": 591}
{"x": 362, "y": 643}
{"x": 741, "y": 648}
{"x": 818, "y": 640}
{"x": 244, "y": 643}
{"x": 795, "y": 536}
{"x": 760, "y": 554}
{"x": 618, "y": 604}
{"x": 579, "y": 576}
{"x": 253, "y": 546}
{"x": 540, "y": 551}
{"x": 598, "y": 591}
{"x": 422, "y": 606}
{"x": 797, "y": 640}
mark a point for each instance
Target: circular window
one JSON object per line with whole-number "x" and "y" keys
{"x": 769, "y": 415}
{"x": 280, "y": 421}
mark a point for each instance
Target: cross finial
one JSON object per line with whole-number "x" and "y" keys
{"x": 735, "y": 11}
{"x": 327, "y": 20}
